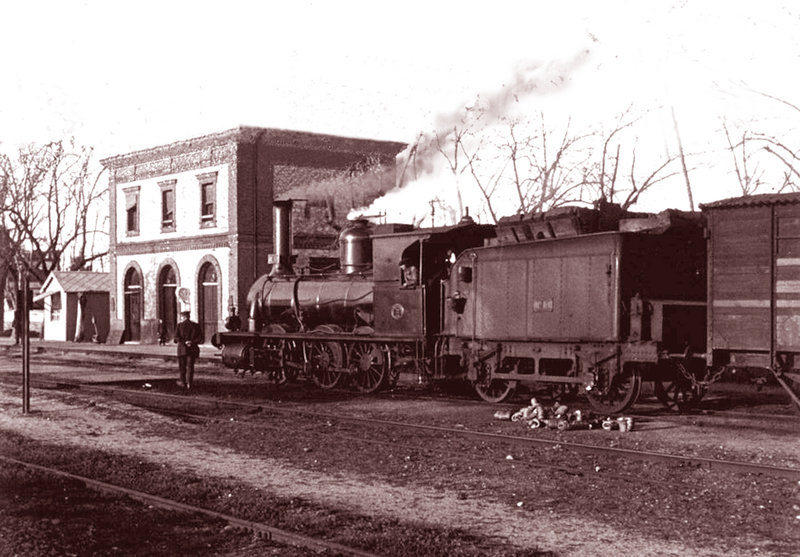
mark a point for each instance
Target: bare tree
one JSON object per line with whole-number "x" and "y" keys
{"x": 414, "y": 160}
{"x": 554, "y": 170}
{"x": 790, "y": 159}
{"x": 538, "y": 166}
{"x": 617, "y": 176}
{"x": 487, "y": 185}
{"x": 779, "y": 146}
{"x": 544, "y": 166}
{"x": 49, "y": 206}
{"x": 526, "y": 165}
{"x": 6, "y": 271}
{"x": 748, "y": 171}
{"x": 459, "y": 145}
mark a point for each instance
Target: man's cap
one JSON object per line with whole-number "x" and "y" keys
{"x": 186, "y": 313}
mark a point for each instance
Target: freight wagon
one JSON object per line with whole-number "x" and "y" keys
{"x": 754, "y": 285}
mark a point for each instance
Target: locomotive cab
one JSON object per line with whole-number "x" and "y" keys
{"x": 409, "y": 267}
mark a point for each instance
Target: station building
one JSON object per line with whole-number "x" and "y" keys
{"x": 191, "y": 222}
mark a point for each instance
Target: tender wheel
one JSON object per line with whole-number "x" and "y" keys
{"x": 324, "y": 359}
{"x": 618, "y": 394}
{"x": 495, "y": 390}
{"x": 492, "y": 389}
{"x": 370, "y": 365}
{"x": 677, "y": 394}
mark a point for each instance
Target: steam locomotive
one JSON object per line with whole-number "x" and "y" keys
{"x": 575, "y": 299}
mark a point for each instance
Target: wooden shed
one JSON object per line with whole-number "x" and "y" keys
{"x": 76, "y": 306}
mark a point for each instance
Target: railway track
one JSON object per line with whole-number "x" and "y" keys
{"x": 435, "y": 442}
{"x": 414, "y": 392}
{"x": 266, "y": 531}
{"x": 544, "y": 480}
{"x": 358, "y": 438}
{"x": 146, "y": 398}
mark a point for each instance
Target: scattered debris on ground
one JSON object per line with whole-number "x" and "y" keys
{"x": 560, "y": 417}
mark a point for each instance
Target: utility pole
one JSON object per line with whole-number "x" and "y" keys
{"x": 24, "y": 327}
{"x": 683, "y": 161}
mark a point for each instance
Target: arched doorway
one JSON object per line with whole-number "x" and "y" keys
{"x": 133, "y": 305}
{"x": 167, "y": 302}
{"x": 208, "y": 299}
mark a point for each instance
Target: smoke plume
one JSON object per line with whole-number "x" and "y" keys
{"x": 421, "y": 165}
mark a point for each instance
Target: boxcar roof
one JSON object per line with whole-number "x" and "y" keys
{"x": 754, "y": 200}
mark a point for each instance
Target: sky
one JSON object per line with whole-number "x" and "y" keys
{"x": 127, "y": 76}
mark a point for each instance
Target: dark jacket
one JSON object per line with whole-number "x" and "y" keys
{"x": 188, "y": 335}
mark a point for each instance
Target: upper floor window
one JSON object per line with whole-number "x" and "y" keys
{"x": 132, "y": 211}
{"x": 208, "y": 199}
{"x": 167, "y": 205}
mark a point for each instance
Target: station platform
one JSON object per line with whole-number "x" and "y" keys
{"x": 208, "y": 353}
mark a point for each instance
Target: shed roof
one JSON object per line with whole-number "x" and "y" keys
{"x": 754, "y": 201}
{"x": 75, "y": 281}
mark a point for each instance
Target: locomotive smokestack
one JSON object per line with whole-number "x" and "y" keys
{"x": 282, "y": 239}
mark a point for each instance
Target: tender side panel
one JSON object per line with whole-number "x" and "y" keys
{"x": 740, "y": 284}
{"x": 551, "y": 290}
{"x": 787, "y": 278}
{"x": 571, "y": 297}
{"x": 509, "y": 322}
{"x": 494, "y": 289}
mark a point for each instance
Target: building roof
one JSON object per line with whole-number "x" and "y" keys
{"x": 270, "y": 136}
{"x": 763, "y": 199}
{"x": 74, "y": 281}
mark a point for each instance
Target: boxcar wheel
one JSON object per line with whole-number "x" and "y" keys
{"x": 677, "y": 393}
{"x": 618, "y": 395}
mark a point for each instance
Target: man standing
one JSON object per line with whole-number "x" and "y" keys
{"x": 189, "y": 336}
{"x": 233, "y": 322}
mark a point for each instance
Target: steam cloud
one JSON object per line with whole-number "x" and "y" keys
{"x": 417, "y": 188}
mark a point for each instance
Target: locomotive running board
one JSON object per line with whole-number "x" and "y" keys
{"x": 316, "y": 336}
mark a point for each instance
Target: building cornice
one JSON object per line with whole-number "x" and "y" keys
{"x": 269, "y": 137}
{"x": 185, "y": 243}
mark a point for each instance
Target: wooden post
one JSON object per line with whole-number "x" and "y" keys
{"x": 26, "y": 344}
